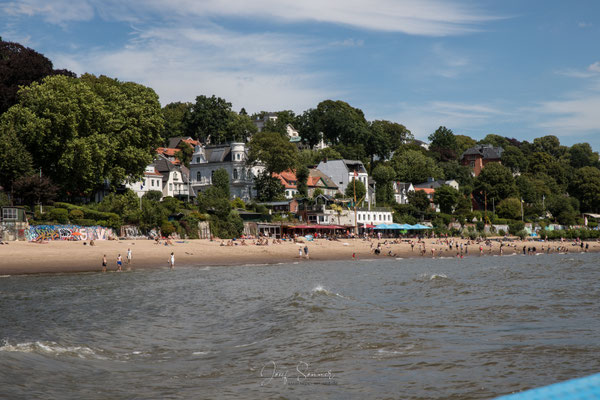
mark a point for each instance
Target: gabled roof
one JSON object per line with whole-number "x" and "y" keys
{"x": 355, "y": 165}
{"x": 218, "y": 153}
{"x": 487, "y": 151}
{"x": 329, "y": 183}
{"x": 287, "y": 178}
{"x": 174, "y": 141}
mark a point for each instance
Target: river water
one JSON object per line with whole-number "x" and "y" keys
{"x": 388, "y": 328}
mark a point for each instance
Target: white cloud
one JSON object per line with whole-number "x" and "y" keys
{"x": 572, "y": 116}
{"x": 595, "y": 67}
{"x": 584, "y": 24}
{"x": 415, "y": 17}
{"x": 255, "y": 71}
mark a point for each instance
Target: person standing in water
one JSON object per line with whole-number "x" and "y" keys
{"x": 172, "y": 260}
{"x": 128, "y": 256}
{"x": 119, "y": 263}
{"x": 104, "y": 263}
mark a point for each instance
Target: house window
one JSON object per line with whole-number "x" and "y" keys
{"x": 198, "y": 176}
{"x": 9, "y": 213}
{"x": 171, "y": 187}
{"x": 239, "y": 156}
{"x": 198, "y": 159}
{"x": 235, "y": 173}
{"x": 472, "y": 164}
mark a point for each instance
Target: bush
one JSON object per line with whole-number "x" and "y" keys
{"x": 515, "y": 226}
{"x": 167, "y": 228}
{"x": 85, "y": 222}
{"x": 480, "y": 225}
{"x": 522, "y": 234}
{"x": 60, "y": 215}
{"x": 501, "y": 232}
{"x": 75, "y": 214}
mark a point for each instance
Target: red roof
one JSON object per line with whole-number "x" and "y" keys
{"x": 287, "y": 178}
{"x": 166, "y": 151}
{"x": 191, "y": 142}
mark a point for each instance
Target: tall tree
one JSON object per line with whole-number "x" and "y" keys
{"x": 447, "y": 198}
{"x": 385, "y": 137}
{"x": 174, "y": 115}
{"x": 585, "y": 186}
{"x": 274, "y": 151}
{"x": 20, "y": 66}
{"x": 35, "y": 189}
{"x": 209, "y": 117}
{"x": 513, "y": 158}
{"x": 496, "y": 181}
{"x": 581, "y": 155}
{"x": 220, "y": 180}
{"x": 302, "y": 174}
{"x": 443, "y": 144}
{"x": 240, "y": 128}
{"x": 15, "y": 161}
{"x": 413, "y": 166}
{"x": 309, "y": 128}
{"x": 384, "y": 178}
{"x": 84, "y": 131}
{"x": 342, "y": 123}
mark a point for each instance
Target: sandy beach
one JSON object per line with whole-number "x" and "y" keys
{"x": 64, "y": 256}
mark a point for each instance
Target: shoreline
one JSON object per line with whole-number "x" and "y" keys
{"x": 20, "y": 258}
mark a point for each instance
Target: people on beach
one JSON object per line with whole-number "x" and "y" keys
{"x": 172, "y": 260}
{"x": 104, "y": 263}
{"x": 306, "y": 251}
{"x": 128, "y": 256}
{"x": 119, "y": 263}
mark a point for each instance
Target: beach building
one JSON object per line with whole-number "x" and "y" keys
{"x": 401, "y": 191}
{"x": 13, "y": 223}
{"x": 232, "y": 157}
{"x": 373, "y": 216}
{"x": 341, "y": 172}
{"x": 479, "y": 156}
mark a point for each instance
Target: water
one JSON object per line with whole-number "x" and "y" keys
{"x": 412, "y": 329}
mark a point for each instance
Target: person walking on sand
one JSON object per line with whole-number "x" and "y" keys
{"x": 128, "y": 256}
{"x": 306, "y": 251}
{"x": 119, "y": 263}
{"x": 172, "y": 261}
{"x": 104, "y": 263}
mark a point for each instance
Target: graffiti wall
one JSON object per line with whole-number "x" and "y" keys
{"x": 68, "y": 232}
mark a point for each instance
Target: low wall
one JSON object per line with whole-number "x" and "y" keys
{"x": 68, "y": 232}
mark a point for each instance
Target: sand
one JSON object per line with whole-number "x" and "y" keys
{"x": 63, "y": 256}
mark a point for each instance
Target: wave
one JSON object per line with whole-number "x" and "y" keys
{"x": 51, "y": 348}
{"x": 431, "y": 277}
{"x": 320, "y": 290}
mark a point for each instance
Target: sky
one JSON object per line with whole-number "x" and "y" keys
{"x": 515, "y": 68}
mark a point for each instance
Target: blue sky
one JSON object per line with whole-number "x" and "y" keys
{"x": 516, "y": 68}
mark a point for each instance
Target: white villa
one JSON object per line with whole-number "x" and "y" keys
{"x": 232, "y": 157}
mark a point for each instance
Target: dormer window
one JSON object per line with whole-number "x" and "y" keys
{"x": 239, "y": 156}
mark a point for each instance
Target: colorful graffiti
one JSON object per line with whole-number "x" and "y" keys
{"x": 68, "y": 232}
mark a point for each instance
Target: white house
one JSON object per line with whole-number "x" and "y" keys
{"x": 232, "y": 157}
{"x": 175, "y": 178}
{"x": 401, "y": 191}
{"x": 374, "y": 216}
{"x": 152, "y": 180}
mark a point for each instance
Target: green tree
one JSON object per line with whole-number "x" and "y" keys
{"x": 463, "y": 143}
{"x": 385, "y": 137}
{"x": 174, "y": 115}
{"x": 185, "y": 153}
{"x": 268, "y": 188}
{"x": 309, "y": 128}
{"x": 302, "y": 174}
{"x": 585, "y": 186}
{"x": 497, "y": 181}
{"x": 443, "y": 144}
{"x": 549, "y": 144}
{"x": 513, "y": 158}
{"x": 88, "y": 130}
{"x": 356, "y": 186}
{"x": 342, "y": 123}
{"x": 446, "y": 197}
{"x": 495, "y": 140}
{"x": 209, "y": 118}
{"x": 581, "y": 155}
{"x": 419, "y": 200}
{"x": 460, "y": 173}
{"x": 274, "y": 151}
{"x": 279, "y": 125}
{"x": 384, "y": 178}
{"x": 413, "y": 166}
{"x": 563, "y": 209}
{"x": 240, "y": 128}
{"x": 16, "y": 161}
{"x": 220, "y": 181}
{"x": 509, "y": 208}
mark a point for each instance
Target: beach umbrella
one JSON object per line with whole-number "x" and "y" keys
{"x": 381, "y": 226}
